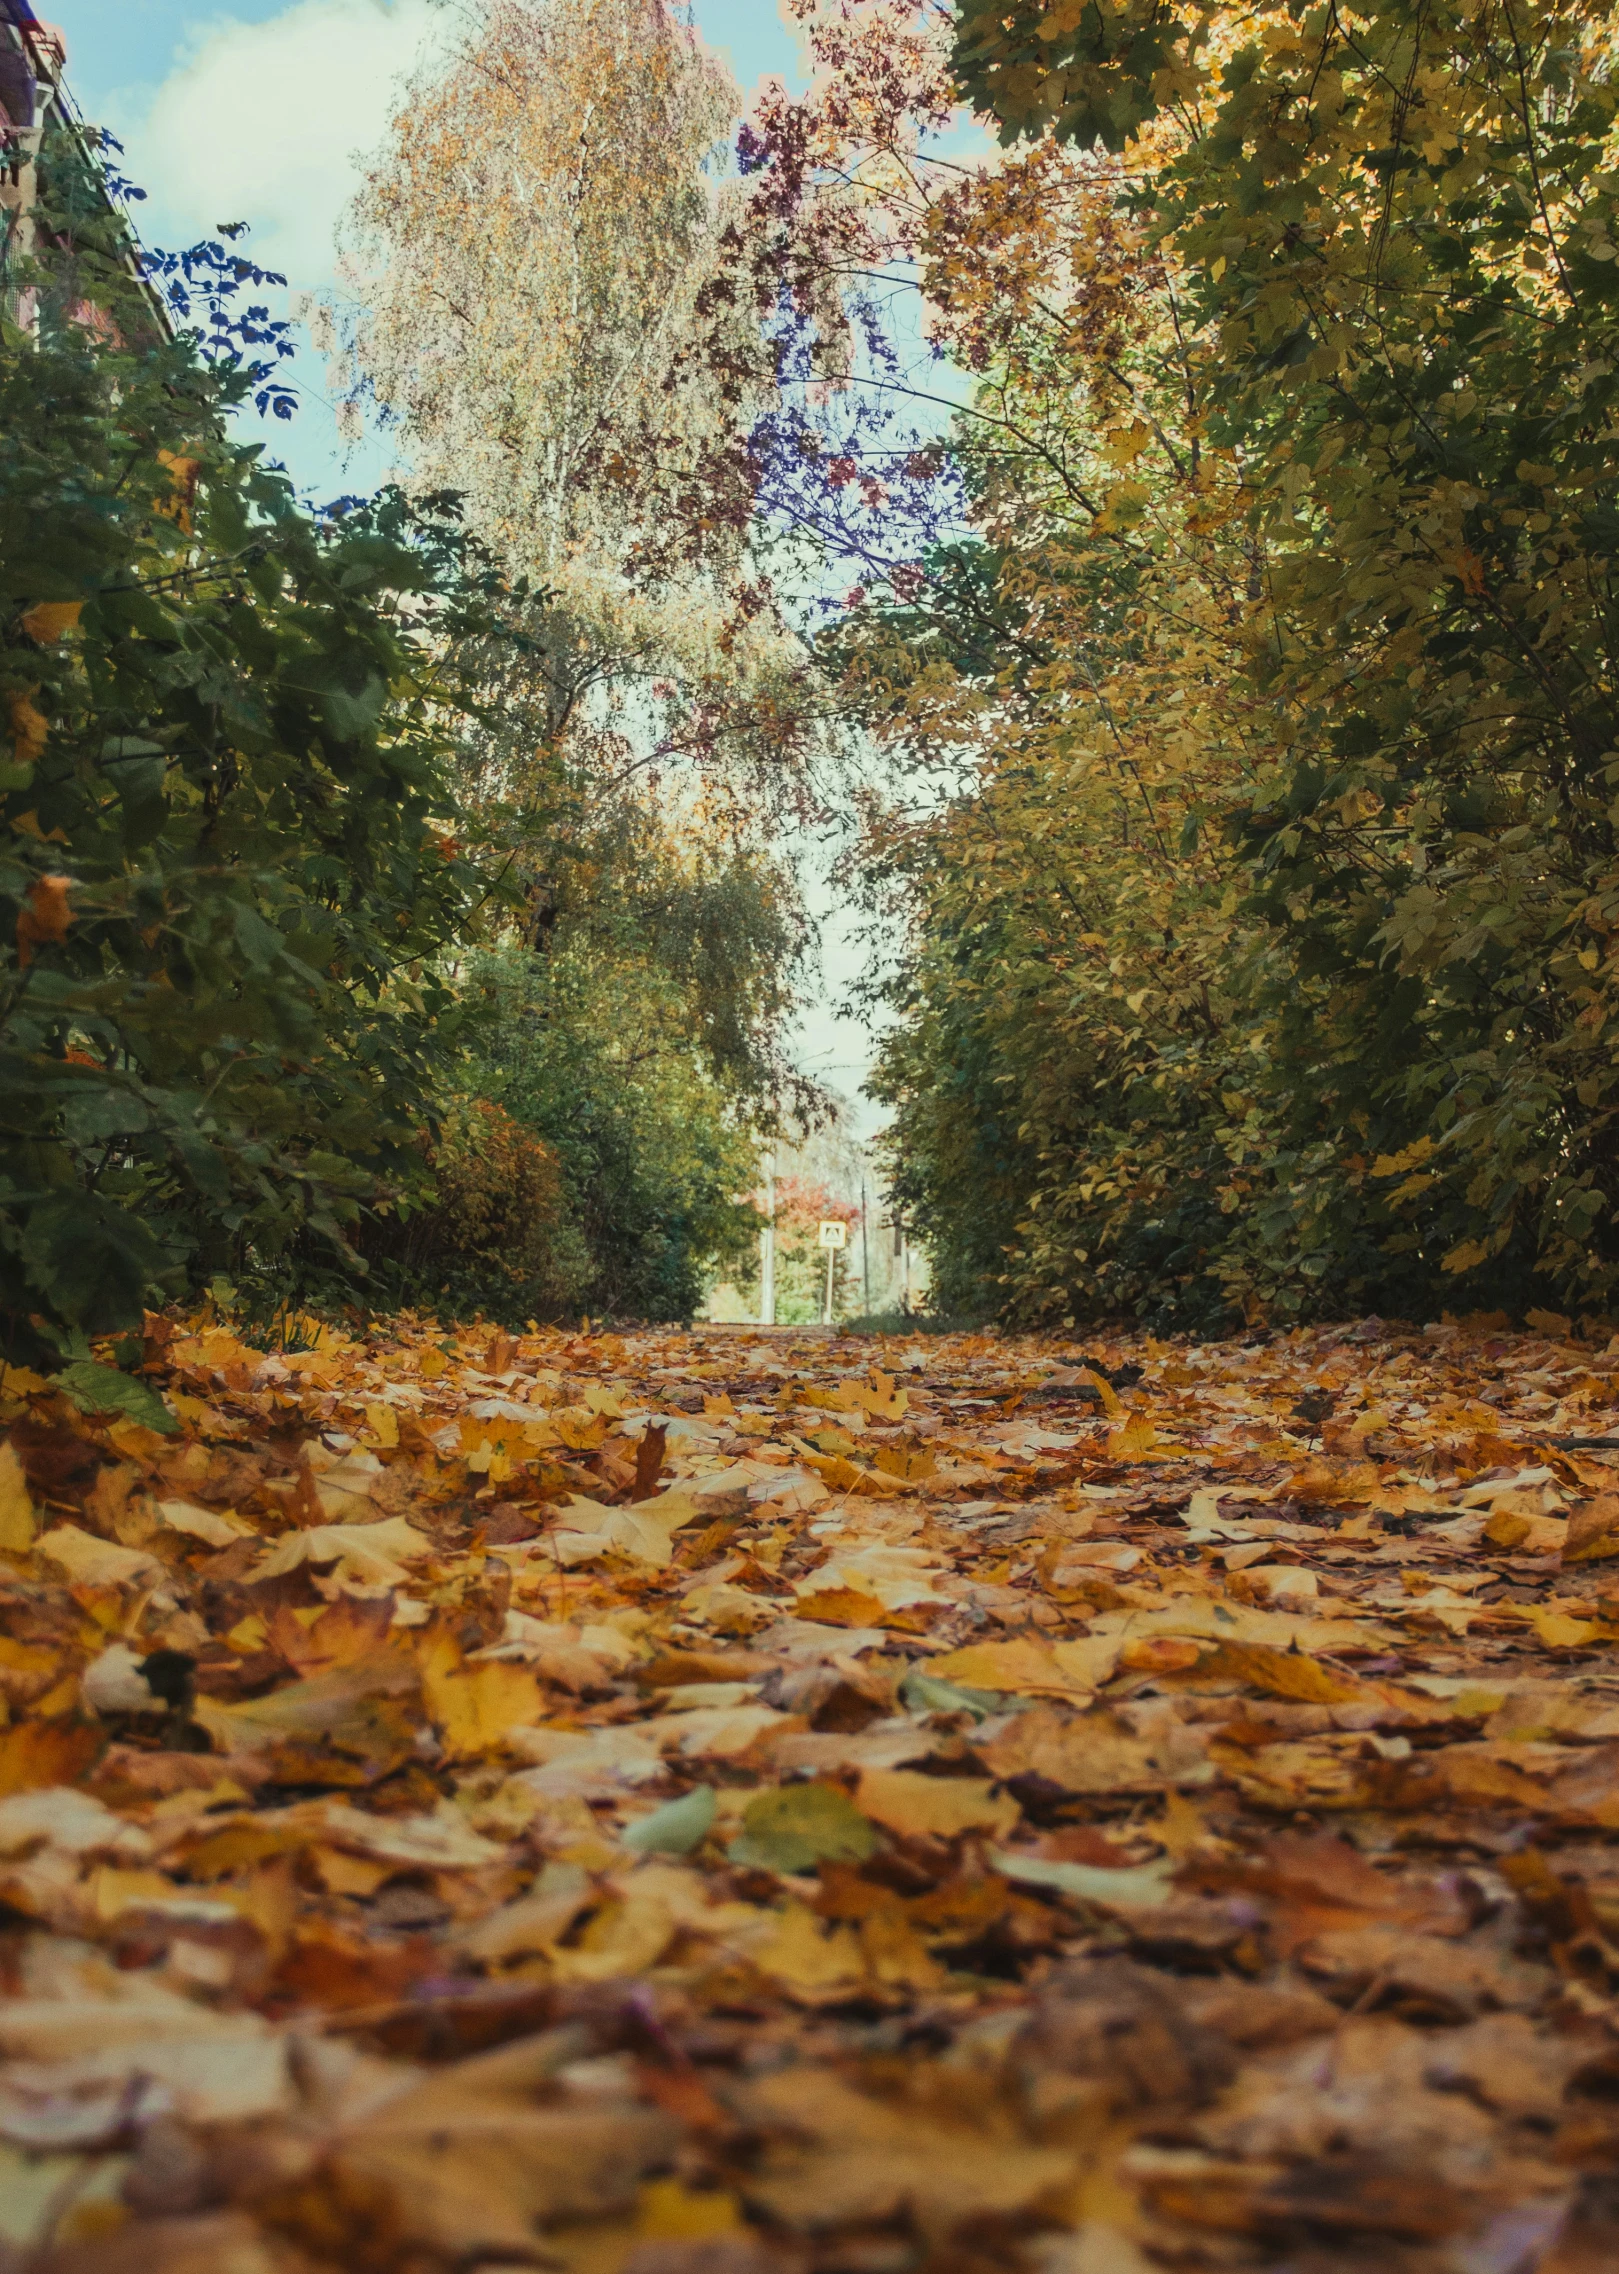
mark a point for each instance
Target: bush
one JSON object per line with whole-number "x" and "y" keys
{"x": 497, "y": 1236}
{"x": 225, "y": 883}
{"x": 594, "y": 1054}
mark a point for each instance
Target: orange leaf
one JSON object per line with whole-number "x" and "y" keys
{"x": 29, "y": 726}
{"x": 45, "y": 916}
{"x": 1159, "y": 1654}
{"x": 36, "y": 1753}
{"x": 48, "y": 620}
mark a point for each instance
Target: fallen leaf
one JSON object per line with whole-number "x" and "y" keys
{"x": 642, "y": 1534}
{"x": 476, "y": 1707}
{"x": 1593, "y": 1529}
{"x": 351, "y": 1725}
{"x": 677, "y": 1827}
{"x": 103, "y": 1389}
{"x": 36, "y": 1753}
{"x": 203, "y": 1523}
{"x": 97, "y": 1563}
{"x": 1278, "y": 1673}
{"x": 1144, "y": 1887}
{"x": 1025, "y": 1668}
{"x": 467, "y": 2164}
{"x": 918, "y": 1806}
{"x": 18, "y": 1522}
{"x": 536, "y": 1922}
{"x": 365, "y": 1555}
{"x": 1134, "y": 1440}
{"x": 850, "y": 2159}
{"x": 800, "y": 1825}
{"x": 812, "y": 1961}
{"x": 1086, "y": 1752}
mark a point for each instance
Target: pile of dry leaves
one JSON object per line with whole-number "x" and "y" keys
{"x": 734, "y": 1802}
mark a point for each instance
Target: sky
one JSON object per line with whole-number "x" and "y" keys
{"x": 261, "y": 111}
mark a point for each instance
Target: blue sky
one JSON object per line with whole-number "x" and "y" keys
{"x": 256, "y": 110}
{"x": 123, "y": 45}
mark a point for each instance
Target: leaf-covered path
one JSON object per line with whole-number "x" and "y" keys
{"x": 703, "y": 1804}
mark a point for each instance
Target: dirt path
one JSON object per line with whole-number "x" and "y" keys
{"x": 706, "y": 1804}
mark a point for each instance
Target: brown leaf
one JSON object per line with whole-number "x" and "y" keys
{"x": 649, "y": 1452}
{"x": 1082, "y": 1752}
{"x": 1593, "y": 1529}
{"x": 36, "y": 1753}
{"x": 467, "y": 2163}
{"x": 848, "y": 2160}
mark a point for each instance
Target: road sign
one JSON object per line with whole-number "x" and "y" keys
{"x": 834, "y": 1235}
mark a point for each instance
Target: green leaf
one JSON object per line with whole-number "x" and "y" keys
{"x": 677, "y": 1827}
{"x": 925, "y": 1693}
{"x": 1141, "y": 1887}
{"x": 801, "y": 1825}
{"x": 352, "y": 714}
{"x": 102, "y": 1389}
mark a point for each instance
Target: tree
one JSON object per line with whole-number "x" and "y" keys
{"x": 1397, "y": 226}
{"x": 1355, "y": 534}
{"x": 641, "y": 1043}
{"x": 532, "y": 251}
{"x": 1068, "y": 1069}
{"x": 548, "y": 323}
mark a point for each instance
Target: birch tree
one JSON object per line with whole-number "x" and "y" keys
{"x": 533, "y": 254}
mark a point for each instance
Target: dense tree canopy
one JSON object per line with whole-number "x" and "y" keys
{"x": 1265, "y": 962}
{"x": 1237, "y": 653}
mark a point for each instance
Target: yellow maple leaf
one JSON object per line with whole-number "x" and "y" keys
{"x": 19, "y": 1526}
{"x": 475, "y": 1708}
{"x": 1133, "y": 1440}
{"x": 809, "y": 1963}
{"x": 383, "y": 1423}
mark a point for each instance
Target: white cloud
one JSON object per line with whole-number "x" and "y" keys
{"x": 268, "y": 123}
{"x": 264, "y": 123}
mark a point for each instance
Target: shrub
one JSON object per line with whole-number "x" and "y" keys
{"x": 498, "y": 1235}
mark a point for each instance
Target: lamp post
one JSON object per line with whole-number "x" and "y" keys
{"x": 865, "y": 1255}
{"x": 767, "y": 1244}
{"x": 833, "y": 1235}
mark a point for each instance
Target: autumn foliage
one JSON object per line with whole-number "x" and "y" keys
{"x": 467, "y": 1794}
{"x": 1253, "y": 812}
{"x": 492, "y": 1231}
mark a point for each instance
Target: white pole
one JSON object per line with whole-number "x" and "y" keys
{"x": 865, "y": 1253}
{"x": 767, "y": 1245}
{"x": 831, "y": 1263}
